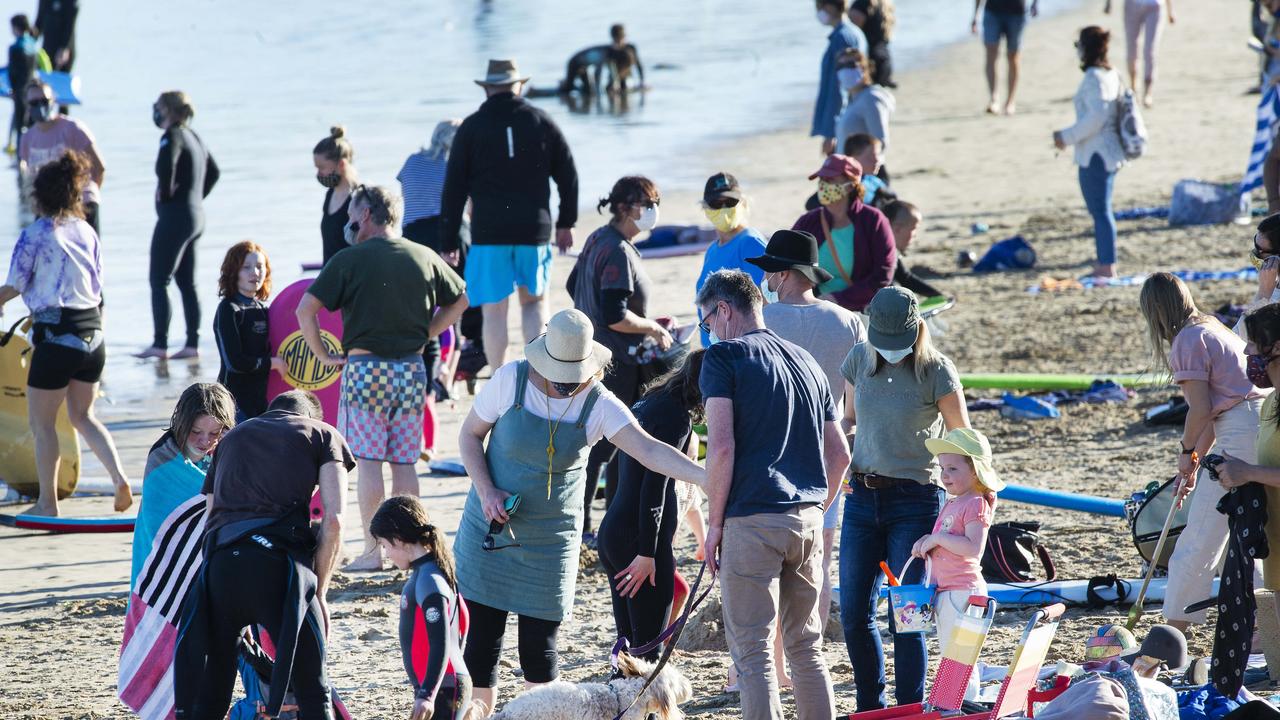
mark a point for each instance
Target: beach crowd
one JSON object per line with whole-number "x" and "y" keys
{"x": 831, "y": 421}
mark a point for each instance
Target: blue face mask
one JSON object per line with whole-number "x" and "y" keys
{"x": 713, "y": 338}
{"x": 770, "y": 296}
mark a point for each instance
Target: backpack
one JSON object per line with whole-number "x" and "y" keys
{"x": 1129, "y": 124}
{"x": 1011, "y": 548}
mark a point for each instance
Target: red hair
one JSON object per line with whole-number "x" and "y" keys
{"x": 228, "y": 277}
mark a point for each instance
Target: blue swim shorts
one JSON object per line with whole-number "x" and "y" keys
{"x": 494, "y": 271}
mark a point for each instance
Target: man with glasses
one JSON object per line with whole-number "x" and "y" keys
{"x": 49, "y": 136}
{"x": 395, "y": 296}
{"x": 725, "y": 208}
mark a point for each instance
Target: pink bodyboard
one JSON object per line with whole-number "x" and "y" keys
{"x": 304, "y": 371}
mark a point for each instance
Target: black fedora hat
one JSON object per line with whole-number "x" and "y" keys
{"x": 792, "y": 250}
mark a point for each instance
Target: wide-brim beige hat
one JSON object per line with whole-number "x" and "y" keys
{"x": 502, "y": 72}
{"x": 973, "y": 445}
{"x": 567, "y": 352}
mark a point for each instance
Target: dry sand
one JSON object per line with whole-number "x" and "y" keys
{"x": 62, "y": 599}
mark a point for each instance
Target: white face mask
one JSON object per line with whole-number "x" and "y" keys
{"x": 648, "y": 219}
{"x": 824, "y": 17}
{"x": 712, "y": 337}
{"x": 893, "y": 357}
{"x": 770, "y": 296}
{"x": 849, "y": 78}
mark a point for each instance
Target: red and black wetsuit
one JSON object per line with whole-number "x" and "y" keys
{"x": 433, "y": 629}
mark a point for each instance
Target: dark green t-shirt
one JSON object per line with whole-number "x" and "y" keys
{"x": 387, "y": 291}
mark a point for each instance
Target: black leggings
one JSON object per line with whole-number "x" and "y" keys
{"x": 537, "y": 646}
{"x": 642, "y": 618}
{"x": 173, "y": 257}
{"x": 624, "y": 381}
{"x": 453, "y": 701}
{"x": 234, "y": 606}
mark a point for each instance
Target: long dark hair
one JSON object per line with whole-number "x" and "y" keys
{"x": 629, "y": 190}
{"x": 682, "y": 382}
{"x": 404, "y": 518}
{"x": 1263, "y": 330}
{"x": 1093, "y": 45}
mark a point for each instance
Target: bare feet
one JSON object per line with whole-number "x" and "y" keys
{"x": 1103, "y": 272}
{"x": 371, "y": 561}
{"x": 124, "y": 496}
{"x": 1010, "y": 108}
{"x": 152, "y": 352}
{"x": 40, "y": 510}
{"x": 993, "y": 107}
{"x": 1148, "y": 101}
{"x": 185, "y": 353}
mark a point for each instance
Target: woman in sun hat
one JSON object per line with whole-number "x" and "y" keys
{"x": 899, "y": 391}
{"x": 540, "y": 416}
{"x": 855, "y": 240}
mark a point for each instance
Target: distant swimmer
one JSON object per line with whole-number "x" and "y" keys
{"x": 587, "y": 66}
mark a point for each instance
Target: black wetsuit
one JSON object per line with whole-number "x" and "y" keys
{"x": 433, "y": 629}
{"x": 186, "y": 173}
{"x": 240, "y": 329}
{"x": 642, "y": 520}
{"x": 916, "y": 284}
{"x": 22, "y": 69}
{"x": 56, "y": 21}
{"x": 331, "y": 226}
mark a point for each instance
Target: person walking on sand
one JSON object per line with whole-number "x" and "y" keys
{"x": 1142, "y": 18}
{"x": 1098, "y": 152}
{"x": 830, "y": 100}
{"x": 826, "y": 330}
{"x": 520, "y": 534}
{"x": 57, "y": 269}
{"x": 186, "y": 173}
{"x": 767, "y": 485}
{"x": 503, "y": 159}
{"x": 263, "y": 564}
{"x": 395, "y": 296}
{"x": 1002, "y": 19}
{"x": 1208, "y": 363}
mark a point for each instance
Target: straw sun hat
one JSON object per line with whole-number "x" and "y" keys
{"x": 566, "y": 352}
{"x": 973, "y": 445}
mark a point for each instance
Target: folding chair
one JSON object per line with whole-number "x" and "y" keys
{"x": 1017, "y": 685}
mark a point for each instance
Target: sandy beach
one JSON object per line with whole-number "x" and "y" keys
{"x": 63, "y": 598}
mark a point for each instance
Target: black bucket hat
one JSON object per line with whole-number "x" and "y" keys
{"x": 792, "y": 250}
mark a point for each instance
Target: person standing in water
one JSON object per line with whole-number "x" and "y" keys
{"x": 336, "y": 171}
{"x": 21, "y": 71}
{"x": 186, "y": 173}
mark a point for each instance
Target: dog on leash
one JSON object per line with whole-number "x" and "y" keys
{"x": 560, "y": 700}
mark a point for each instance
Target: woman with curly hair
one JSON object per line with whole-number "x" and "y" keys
{"x": 240, "y": 328}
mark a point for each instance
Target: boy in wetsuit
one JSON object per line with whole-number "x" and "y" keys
{"x": 587, "y": 66}
{"x": 433, "y": 617}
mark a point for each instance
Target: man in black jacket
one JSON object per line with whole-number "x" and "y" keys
{"x": 503, "y": 157}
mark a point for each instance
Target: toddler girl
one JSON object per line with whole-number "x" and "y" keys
{"x": 433, "y": 617}
{"x": 240, "y": 328}
{"x": 960, "y": 534}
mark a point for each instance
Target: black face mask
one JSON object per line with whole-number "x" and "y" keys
{"x": 157, "y": 117}
{"x": 329, "y": 180}
{"x": 566, "y": 389}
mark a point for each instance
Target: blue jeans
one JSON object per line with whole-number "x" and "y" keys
{"x": 1096, "y": 183}
{"x": 882, "y": 525}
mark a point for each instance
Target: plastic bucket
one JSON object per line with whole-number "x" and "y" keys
{"x": 911, "y": 606}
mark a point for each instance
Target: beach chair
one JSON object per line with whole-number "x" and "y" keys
{"x": 1015, "y": 691}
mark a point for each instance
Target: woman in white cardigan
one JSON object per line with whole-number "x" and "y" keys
{"x": 1096, "y": 138}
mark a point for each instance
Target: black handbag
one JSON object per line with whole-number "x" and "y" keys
{"x": 1012, "y": 548}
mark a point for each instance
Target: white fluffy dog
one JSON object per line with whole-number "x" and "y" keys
{"x": 560, "y": 700}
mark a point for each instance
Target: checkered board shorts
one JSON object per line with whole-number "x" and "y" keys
{"x": 382, "y": 407}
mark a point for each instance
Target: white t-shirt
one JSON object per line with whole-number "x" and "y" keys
{"x": 498, "y": 395}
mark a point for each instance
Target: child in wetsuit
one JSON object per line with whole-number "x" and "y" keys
{"x": 433, "y": 617}
{"x": 240, "y": 328}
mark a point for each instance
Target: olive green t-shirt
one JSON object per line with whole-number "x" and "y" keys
{"x": 387, "y": 290}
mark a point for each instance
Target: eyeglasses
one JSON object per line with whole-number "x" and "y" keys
{"x": 42, "y": 102}
{"x": 721, "y": 203}
{"x": 1259, "y": 253}
{"x": 649, "y": 203}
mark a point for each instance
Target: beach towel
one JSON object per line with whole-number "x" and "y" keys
{"x": 1268, "y": 114}
{"x": 169, "y": 480}
{"x": 145, "y": 682}
{"x": 1088, "y": 283}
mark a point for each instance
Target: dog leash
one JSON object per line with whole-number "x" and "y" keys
{"x": 672, "y": 632}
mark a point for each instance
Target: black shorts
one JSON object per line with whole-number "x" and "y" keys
{"x": 54, "y": 364}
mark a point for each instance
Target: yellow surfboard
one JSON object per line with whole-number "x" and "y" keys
{"x": 17, "y": 445}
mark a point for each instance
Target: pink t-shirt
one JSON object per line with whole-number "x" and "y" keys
{"x": 951, "y": 571}
{"x": 39, "y": 147}
{"x": 1210, "y": 352}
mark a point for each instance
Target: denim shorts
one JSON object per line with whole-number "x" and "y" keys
{"x": 1009, "y": 25}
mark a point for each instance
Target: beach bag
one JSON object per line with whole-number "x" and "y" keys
{"x": 1012, "y": 548}
{"x": 1196, "y": 202}
{"x": 1129, "y": 125}
{"x": 911, "y": 606}
{"x": 1013, "y": 253}
{"x": 1148, "y": 521}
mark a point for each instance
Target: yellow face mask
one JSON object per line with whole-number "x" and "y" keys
{"x": 726, "y": 219}
{"x": 830, "y": 193}
{"x": 1255, "y": 261}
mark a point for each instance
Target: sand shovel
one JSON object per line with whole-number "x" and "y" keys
{"x": 1135, "y": 612}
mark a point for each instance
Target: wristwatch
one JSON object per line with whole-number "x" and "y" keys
{"x": 1186, "y": 450}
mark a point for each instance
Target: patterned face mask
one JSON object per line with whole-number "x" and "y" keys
{"x": 830, "y": 193}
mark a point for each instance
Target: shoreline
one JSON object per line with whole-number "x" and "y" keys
{"x": 62, "y": 610}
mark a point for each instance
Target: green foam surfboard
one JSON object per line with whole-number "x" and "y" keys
{"x": 1055, "y": 381}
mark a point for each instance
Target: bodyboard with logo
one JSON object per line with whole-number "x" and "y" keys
{"x": 17, "y": 444}
{"x": 304, "y": 371}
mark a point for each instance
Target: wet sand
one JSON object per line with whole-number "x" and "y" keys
{"x": 62, "y": 599}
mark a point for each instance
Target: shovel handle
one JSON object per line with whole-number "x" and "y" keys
{"x": 893, "y": 580}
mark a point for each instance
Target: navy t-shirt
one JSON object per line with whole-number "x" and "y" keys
{"x": 781, "y": 402}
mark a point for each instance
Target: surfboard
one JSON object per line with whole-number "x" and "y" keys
{"x": 1072, "y": 592}
{"x": 1055, "y": 381}
{"x": 17, "y": 444}
{"x": 70, "y": 524}
{"x": 66, "y": 87}
{"x": 304, "y": 371}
